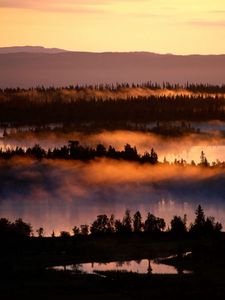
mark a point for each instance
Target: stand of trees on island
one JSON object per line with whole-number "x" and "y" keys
{"x": 192, "y": 87}
{"x": 75, "y": 151}
{"x": 54, "y": 105}
{"x": 202, "y": 226}
{"x": 173, "y": 129}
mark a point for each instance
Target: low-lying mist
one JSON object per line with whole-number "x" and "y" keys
{"x": 131, "y": 92}
{"x": 105, "y": 93}
{"x": 186, "y": 147}
{"x": 60, "y": 194}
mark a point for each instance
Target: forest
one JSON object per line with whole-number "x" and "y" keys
{"x": 66, "y": 182}
{"x": 75, "y": 151}
{"x": 202, "y": 226}
{"x": 109, "y": 104}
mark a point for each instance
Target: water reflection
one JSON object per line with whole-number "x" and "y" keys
{"x": 144, "y": 266}
{"x": 58, "y": 195}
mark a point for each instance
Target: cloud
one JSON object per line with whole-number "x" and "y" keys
{"x": 67, "y": 6}
{"x": 57, "y": 5}
{"x": 205, "y": 23}
{"x": 147, "y": 15}
{"x": 217, "y": 11}
{"x": 45, "y": 4}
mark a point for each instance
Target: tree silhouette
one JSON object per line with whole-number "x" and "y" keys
{"x": 154, "y": 224}
{"x": 100, "y": 225}
{"x": 5, "y": 227}
{"x": 119, "y": 227}
{"x": 211, "y": 226}
{"x": 127, "y": 221}
{"x": 100, "y": 150}
{"x": 112, "y": 223}
{"x": 73, "y": 147}
{"x": 130, "y": 153}
{"x": 64, "y": 234}
{"x": 21, "y": 228}
{"x": 199, "y": 217}
{"x": 36, "y": 151}
{"x": 178, "y": 226}
{"x": 137, "y": 223}
{"x": 203, "y": 225}
{"x": 84, "y": 229}
{"x": 76, "y": 230}
{"x": 203, "y": 160}
{"x": 76, "y": 151}
{"x": 40, "y": 232}
{"x": 153, "y": 157}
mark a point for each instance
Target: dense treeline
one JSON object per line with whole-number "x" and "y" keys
{"x": 141, "y": 109}
{"x": 178, "y": 226}
{"x": 14, "y": 229}
{"x": 78, "y": 152}
{"x": 173, "y": 129}
{"x": 75, "y": 151}
{"x": 43, "y": 106}
{"x": 197, "y": 88}
{"x": 202, "y": 226}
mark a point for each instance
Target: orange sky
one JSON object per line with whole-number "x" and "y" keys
{"x": 175, "y": 26}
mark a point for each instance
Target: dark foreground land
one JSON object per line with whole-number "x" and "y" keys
{"x": 24, "y": 262}
{"x": 60, "y": 285}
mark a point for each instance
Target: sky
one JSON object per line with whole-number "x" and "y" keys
{"x": 162, "y": 26}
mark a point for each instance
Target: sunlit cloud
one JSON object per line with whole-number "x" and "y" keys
{"x": 59, "y": 4}
{"x": 205, "y": 23}
{"x": 56, "y": 6}
{"x": 217, "y": 11}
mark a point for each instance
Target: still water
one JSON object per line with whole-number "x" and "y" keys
{"x": 58, "y": 195}
{"x": 144, "y": 266}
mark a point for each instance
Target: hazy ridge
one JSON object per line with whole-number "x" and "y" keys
{"x": 29, "y": 49}
{"x": 35, "y": 66}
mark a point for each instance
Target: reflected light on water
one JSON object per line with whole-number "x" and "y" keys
{"x": 144, "y": 266}
{"x": 58, "y": 195}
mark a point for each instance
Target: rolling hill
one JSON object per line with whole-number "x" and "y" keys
{"x": 37, "y": 66}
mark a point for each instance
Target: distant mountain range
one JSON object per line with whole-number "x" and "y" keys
{"x": 30, "y": 49}
{"x": 37, "y": 66}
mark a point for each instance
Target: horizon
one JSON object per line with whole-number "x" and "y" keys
{"x": 102, "y": 52}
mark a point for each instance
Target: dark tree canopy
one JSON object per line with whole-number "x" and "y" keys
{"x": 21, "y": 106}
{"x": 15, "y": 229}
{"x": 178, "y": 226}
{"x": 101, "y": 225}
{"x": 154, "y": 224}
{"x": 137, "y": 222}
{"x": 203, "y": 225}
